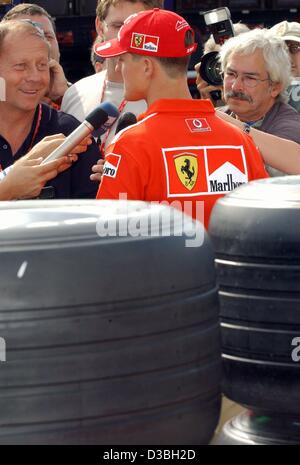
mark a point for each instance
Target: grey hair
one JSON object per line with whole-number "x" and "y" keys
{"x": 274, "y": 50}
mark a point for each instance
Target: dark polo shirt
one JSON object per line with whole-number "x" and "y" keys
{"x": 74, "y": 183}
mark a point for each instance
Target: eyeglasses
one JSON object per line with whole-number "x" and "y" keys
{"x": 247, "y": 80}
{"x": 294, "y": 48}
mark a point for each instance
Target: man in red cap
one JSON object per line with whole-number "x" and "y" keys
{"x": 179, "y": 150}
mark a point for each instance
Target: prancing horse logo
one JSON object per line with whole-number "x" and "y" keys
{"x": 138, "y": 40}
{"x": 187, "y": 169}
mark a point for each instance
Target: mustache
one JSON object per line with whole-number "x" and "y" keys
{"x": 239, "y": 95}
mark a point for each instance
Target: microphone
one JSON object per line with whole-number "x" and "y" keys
{"x": 125, "y": 120}
{"x": 102, "y": 118}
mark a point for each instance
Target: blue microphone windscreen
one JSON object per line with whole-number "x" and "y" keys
{"x": 101, "y": 114}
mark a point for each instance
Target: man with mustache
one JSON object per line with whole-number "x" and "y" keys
{"x": 256, "y": 75}
{"x": 257, "y": 72}
{"x": 204, "y": 88}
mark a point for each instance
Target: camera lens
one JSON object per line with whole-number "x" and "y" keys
{"x": 210, "y": 69}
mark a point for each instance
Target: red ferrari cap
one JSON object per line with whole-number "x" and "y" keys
{"x": 154, "y": 32}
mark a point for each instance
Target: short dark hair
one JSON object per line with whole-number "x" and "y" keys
{"x": 29, "y": 9}
{"x": 174, "y": 65}
{"x": 103, "y": 5}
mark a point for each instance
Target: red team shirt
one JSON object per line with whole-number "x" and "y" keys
{"x": 179, "y": 151}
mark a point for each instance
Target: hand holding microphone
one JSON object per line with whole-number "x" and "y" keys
{"x": 101, "y": 118}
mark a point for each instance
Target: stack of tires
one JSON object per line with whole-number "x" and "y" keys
{"x": 110, "y": 338}
{"x": 256, "y": 235}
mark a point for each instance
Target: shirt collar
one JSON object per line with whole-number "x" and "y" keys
{"x": 178, "y": 106}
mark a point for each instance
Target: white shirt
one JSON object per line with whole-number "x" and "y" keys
{"x": 83, "y": 96}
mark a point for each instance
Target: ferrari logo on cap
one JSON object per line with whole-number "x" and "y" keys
{"x": 187, "y": 169}
{"x": 144, "y": 42}
{"x": 137, "y": 40}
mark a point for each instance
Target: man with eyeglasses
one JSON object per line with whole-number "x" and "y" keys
{"x": 290, "y": 33}
{"x": 257, "y": 72}
{"x": 86, "y": 94}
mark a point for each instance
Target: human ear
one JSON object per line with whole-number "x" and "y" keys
{"x": 99, "y": 27}
{"x": 276, "y": 88}
{"x": 148, "y": 66}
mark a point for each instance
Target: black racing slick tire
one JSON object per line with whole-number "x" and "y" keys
{"x": 255, "y": 231}
{"x": 109, "y": 340}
